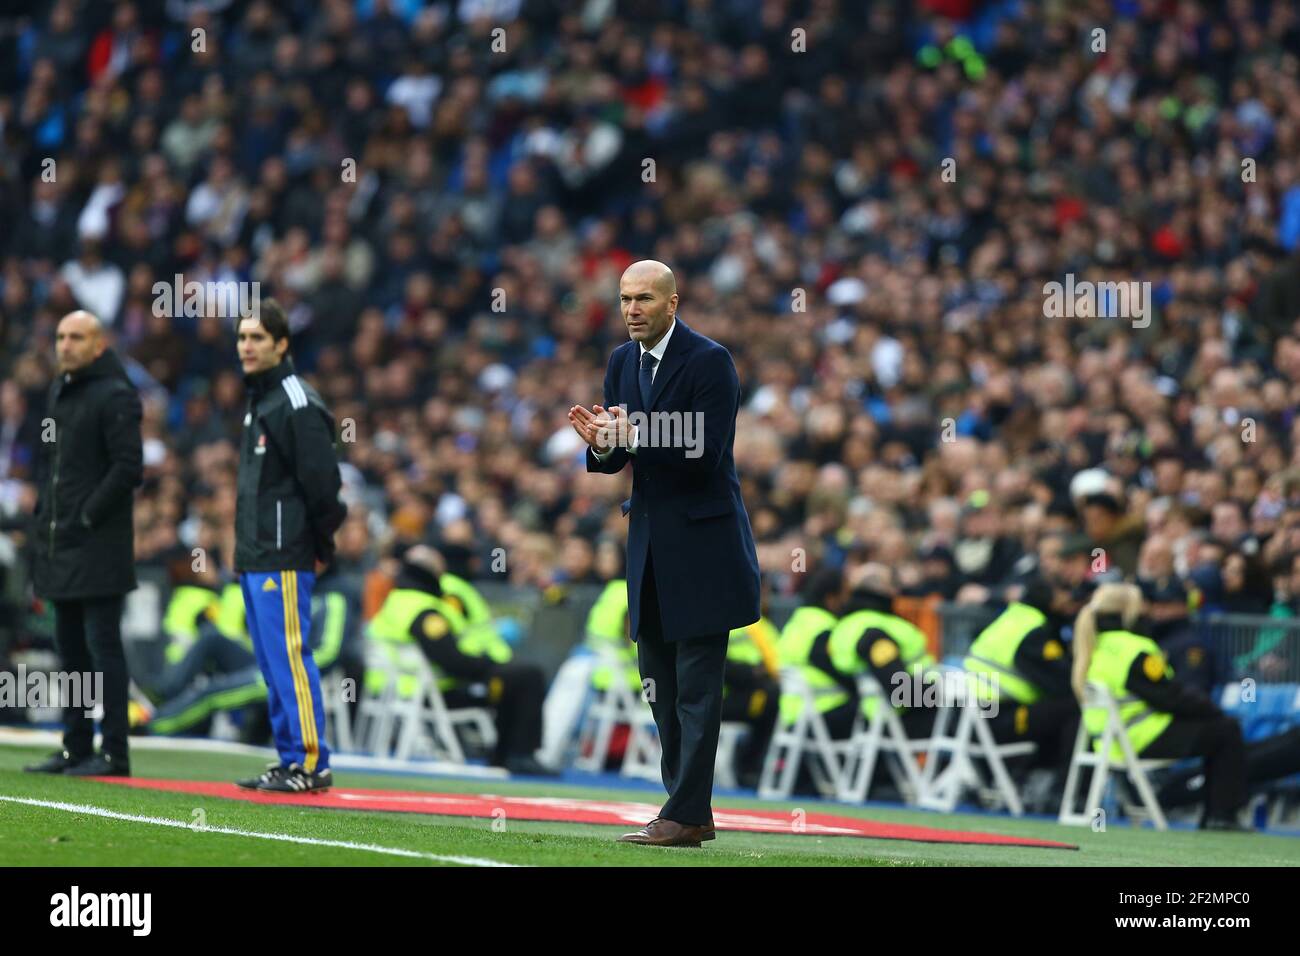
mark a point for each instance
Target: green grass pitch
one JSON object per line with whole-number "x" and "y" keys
{"x": 42, "y": 836}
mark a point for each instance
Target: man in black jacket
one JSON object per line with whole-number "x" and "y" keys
{"x": 91, "y": 459}
{"x": 287, "y": 510}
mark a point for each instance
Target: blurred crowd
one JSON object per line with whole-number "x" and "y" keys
{"x": 862, "y": 201}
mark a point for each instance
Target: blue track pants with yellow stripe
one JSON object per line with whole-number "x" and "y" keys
{"x": 279, "y": 620}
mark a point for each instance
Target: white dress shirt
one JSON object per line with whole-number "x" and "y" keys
{"x": 658, "y": 352}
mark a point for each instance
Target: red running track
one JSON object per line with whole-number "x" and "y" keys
{"x": 574, "y": 810}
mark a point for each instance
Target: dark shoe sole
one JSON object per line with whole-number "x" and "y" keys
{"x": 290, "y": 790}
{"x": 666, "y": 846}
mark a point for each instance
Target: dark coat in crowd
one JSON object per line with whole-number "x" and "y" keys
{"x": 84, "y": 541}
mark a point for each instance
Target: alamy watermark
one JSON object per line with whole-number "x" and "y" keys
{"x": 225, "y": 300}
{"x": 133, "y": 911}
{"x": 45, "y": 689}
{"x": 659, "y": 430}
{"x": 1099, "y": 300}
{"x": 947, "y": 689}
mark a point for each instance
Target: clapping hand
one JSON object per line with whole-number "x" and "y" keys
{"x": 603, "y": 429}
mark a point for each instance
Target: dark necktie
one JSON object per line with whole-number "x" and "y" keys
{"x": 648, "y": 363}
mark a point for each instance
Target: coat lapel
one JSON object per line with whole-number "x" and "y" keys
{"x": 672, "y": 362}
{"x": 631, "y": 369}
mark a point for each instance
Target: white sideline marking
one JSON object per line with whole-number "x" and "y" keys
{"x": 283, "y": 837}
{"x": 23, "y": 737}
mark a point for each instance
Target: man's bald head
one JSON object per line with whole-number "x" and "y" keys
{"x": 648, "y": 299}
{"x": 656, "y": 272}
{"x": 79, "y": 340}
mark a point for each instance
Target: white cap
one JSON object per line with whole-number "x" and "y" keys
{"x": 1090, "y": 481}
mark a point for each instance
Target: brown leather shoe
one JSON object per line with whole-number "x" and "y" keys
{"x": 661, "y": 832}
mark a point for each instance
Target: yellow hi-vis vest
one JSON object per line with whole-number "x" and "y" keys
{"x": 755, "y": 644}
{"x": 464, "y": 595}
{"x": 843, "y": 648}
{"x": 607, "y": 635}
{"x": 793, "y": 648}
{"x": 232, "y": 616}
{"x": 1112, "y": 659}
{"x": 391, "y": 628}
{"x": 334, "y": 607}
{"x": 180, "y": 623}
{"x": 993, "y": 655}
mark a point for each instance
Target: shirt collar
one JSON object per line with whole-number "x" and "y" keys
{"x": 659, "y": 350}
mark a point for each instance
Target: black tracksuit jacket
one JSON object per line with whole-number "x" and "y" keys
{"x": 288, "y": 505}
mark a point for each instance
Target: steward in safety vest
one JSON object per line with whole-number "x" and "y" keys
{"x": 472, "y": 666}
{"x": 751, "y": 691}
{"x": 1020, "y": 657}
{"x": 466, "y": 598}
{"x": 188, "y": 607}
{"x": 210, "y": 660}
{"x": 1162, "y": 718}
{"x": 870, "y": 639}
{"x": 607, "y": 636}
{"x": 1022, "y": 681}
{"x": 804, "y": 636}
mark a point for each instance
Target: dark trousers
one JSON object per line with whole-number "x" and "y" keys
{"x": 89, "y": 635}
{"x": 758, "y": 707}
{"x": 516, "y": 693}
{"x": 1265, "y": 760}
{"x": 1219, "y": 741}
{"x": 686, "y": 700}
{"x": 1052, "y": 724}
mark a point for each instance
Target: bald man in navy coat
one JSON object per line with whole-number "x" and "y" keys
{"x": 671, "y": 398}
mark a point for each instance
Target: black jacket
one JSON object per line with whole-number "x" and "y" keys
{"x": 83, "y": 539}
{"x": 1165, "y": 694}
{"x": 288, "y": 505}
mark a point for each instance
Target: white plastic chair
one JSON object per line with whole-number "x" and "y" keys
{"x": 1099, "y": 761}
{"x": 808, "y": 735}
{"x": 724, "y": 771}
{"x": 962, "y": 733}
{"x": 618, "y": 704}
{"x": 883, "y": 734}
{"x": 422, "y": 721}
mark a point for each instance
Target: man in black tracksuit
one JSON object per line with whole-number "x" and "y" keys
{"x": 91, "y": 460}
{"x": 287, "y": 510}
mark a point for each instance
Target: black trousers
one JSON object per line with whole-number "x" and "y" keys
{"x": 759, "y": 707}
{"x": 515, "y": 692}
{"x": 1219, "y": 741}
{"x": 89, "y": 635}
{"x": 1051, "y": 723}
{"x": 1265, "y": 760}
{"x": 686, "y": 700}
